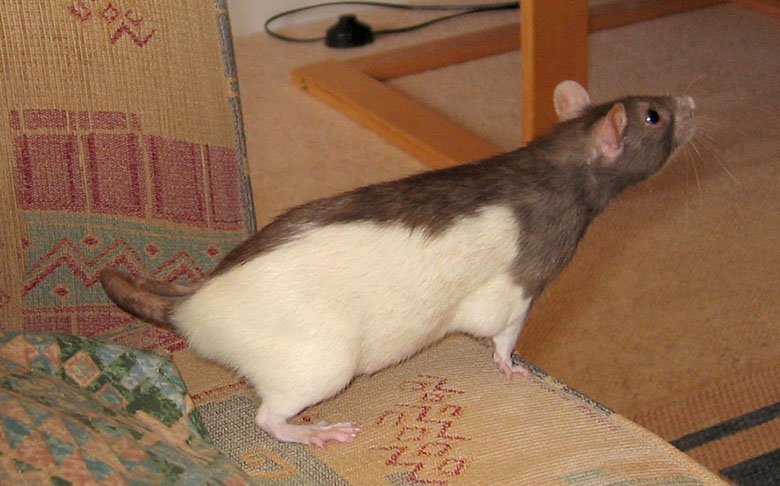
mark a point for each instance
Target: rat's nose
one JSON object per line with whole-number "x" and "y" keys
{"x": 683, "y": 118}
{"x": 686, "y": 102}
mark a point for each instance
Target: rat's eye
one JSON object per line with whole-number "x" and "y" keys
{"x": 652, "y": 117}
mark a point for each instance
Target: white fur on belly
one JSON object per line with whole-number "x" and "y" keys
{"x": 345, "y": 299}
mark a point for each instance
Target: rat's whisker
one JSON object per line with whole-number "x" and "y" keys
{"x": 705, "y": 141}
{"x": 693, "y": 146}
{"x": 692, "y": 83}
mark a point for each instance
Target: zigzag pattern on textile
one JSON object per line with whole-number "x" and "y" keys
{"x": 62, "y": 291}
{"x": 118, "y": 253}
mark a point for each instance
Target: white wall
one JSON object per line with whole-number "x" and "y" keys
{"x": 248, "y": 16}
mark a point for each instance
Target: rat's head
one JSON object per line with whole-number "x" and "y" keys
{"x": 632, "y": 137}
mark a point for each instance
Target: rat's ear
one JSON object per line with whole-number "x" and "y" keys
{"x": 608, "y": 134}
{"x": 570, "y": 99}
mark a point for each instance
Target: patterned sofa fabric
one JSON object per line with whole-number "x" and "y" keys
{"x": 122, "y": 144}
{"x": 79, "y": 411}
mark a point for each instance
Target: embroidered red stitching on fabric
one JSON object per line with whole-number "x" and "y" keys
{"x": 124, "y": 29}
{"x": 444, "y": 448}
{"x": 133, "y": 17}
{"x": 109, "y": 13}
{"x": 393, "y": 460}
{"x": 81, "y": 11}
{"x": 426, "y": 421}
{"x": 459, "y": 465}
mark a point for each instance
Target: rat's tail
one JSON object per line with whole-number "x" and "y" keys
{"x": 143, "y": 297}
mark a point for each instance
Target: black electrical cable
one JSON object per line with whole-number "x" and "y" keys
{"x": 461, "y": 9}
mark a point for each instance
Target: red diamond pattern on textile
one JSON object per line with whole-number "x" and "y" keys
{"x": 152, "y": 250}
{"x": 90, "y": 240}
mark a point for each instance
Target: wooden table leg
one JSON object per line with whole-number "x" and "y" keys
{"x": 554, "y": 36}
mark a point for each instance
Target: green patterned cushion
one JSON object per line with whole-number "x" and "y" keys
{"x": 79, "y": 411}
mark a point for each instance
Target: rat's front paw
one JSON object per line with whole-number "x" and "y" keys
{"x": 506, "y": 367}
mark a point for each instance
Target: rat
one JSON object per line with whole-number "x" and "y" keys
{"x": 357, "y": 282}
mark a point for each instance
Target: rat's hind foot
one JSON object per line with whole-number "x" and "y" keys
{"x": 324, "y": 432}
{"x": 317, "y": 435}
{"x": 506, "y": 367}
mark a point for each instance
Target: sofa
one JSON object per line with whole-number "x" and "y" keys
{"x": 122, "y": 145}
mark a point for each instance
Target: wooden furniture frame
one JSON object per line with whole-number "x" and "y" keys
{"x": 548, "y": 30}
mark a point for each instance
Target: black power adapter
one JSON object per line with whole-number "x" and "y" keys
{"x": 350, "y": 32}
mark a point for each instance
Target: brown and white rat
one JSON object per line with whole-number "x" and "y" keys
{"x": 357, "y": 282}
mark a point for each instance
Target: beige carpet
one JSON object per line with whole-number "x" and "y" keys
{"x": 675, "y": 288}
